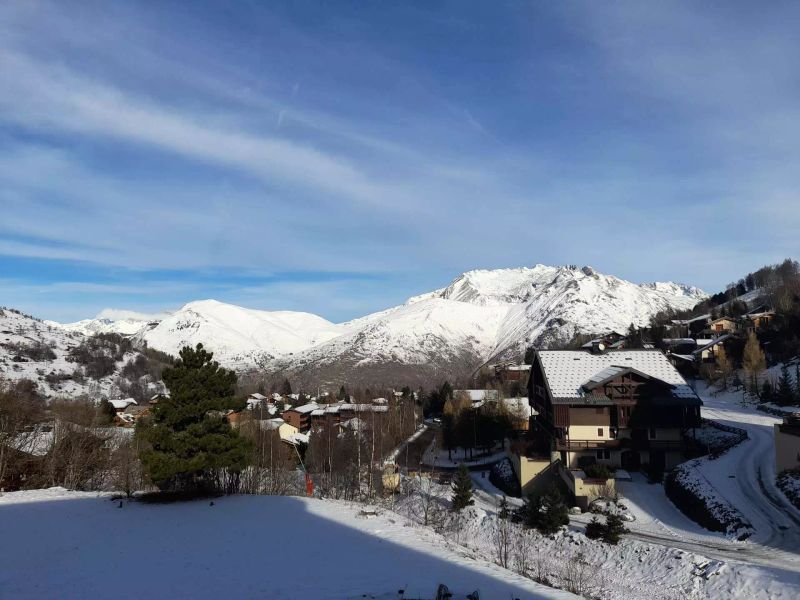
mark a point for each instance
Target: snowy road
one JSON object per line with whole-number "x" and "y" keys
{"x": 745, "y": 476}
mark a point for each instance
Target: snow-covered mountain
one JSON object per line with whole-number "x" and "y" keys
{"x": 485, "y": 315}
{"x": 482, "y": 315}
{"x": 239, "y": 337}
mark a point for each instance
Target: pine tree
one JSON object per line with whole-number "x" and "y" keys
{"x": 553, "y": 512}
{"x": 342, "y": 393}
{"x": 188, "y": 442}
{"x": 530, "y": 511}
{"x": 462, "y": 489}
{"x": 286, "y": 388}
{"x": 595, "y": 529}
{"x": 613, "y": 529}
{"x": 107, "y": 410}
{"x": 503, "y": 511}
{"x": 797, "y": 383}
{"x": 766, "y": 391}
{"x": 784, "y": 394}
{"x": 753, "y": 360}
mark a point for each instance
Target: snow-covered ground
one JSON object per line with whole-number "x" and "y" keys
{"x": 666, "y": 556}
{"x": 59, "y": 544}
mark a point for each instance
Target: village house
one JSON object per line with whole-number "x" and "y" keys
{"x": 787, "y": 443}
{"x": 725, "y": 325}
{"x": 623, "y": 409}
{"x": 758, "y": 320}
{"x": 300, "y": 416}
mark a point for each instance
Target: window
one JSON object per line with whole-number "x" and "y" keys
{"x": 604, "y": 455}
{"x": 599, "y": 432}
{"x": 652, "y": 433}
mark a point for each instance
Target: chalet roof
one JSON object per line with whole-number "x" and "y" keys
{"x": 567, "y": 371}
{"x": 478, "y": 395}
{"x": 612, "y": 372}
{"x": 712, "y": 343}
{"x": 692, "y": 320}
{"x": 306, "y": 408}
{"x": 122, "y": 404}
{"x": 726, "y": 318}
{"x": 364, "y": 407}
{"x": 257, "y": 396}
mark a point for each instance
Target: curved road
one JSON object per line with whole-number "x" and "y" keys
{"x": 745, "y": 476}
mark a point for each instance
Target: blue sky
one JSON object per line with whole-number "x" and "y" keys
{"x": 339, "y": 157}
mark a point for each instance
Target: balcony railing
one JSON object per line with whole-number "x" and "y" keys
{"x": 573, "y": 445}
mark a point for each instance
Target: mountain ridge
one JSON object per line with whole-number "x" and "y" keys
{"x": 480, "y": 316}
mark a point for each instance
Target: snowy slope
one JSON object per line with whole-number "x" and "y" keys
{"x": 54, "y": 374}
{"x": 482, "y": 315}
{"x": 60, "y": 544}
{"x": 239, "y": 337}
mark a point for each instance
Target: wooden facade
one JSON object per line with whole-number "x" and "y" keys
{"x": 626, "y": 419}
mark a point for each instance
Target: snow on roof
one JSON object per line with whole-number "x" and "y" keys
{"x": 364, "y": 407}
{"x": 478, "y": 395}
{"x": 380, "y": 401}
{"x": 354, "y": 424}
{"x": 257, "y": 396}
{"x": 271, "y": 424}
{"x": 121, "y": 404}
{"x": 712, "y": 343}
{"x": 318, "y": 412}
{"x": 568, "y": 370}
{"x": 692, "y": 320}
{"x": 306, "y": 408}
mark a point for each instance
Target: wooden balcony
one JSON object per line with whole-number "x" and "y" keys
{"x": 577, "y": 445}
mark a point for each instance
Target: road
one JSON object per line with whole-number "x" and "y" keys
{"x": 745, "y": 476}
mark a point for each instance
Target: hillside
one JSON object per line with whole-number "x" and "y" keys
{"x": 482, "y": 315}
{"x": 70, "y": 364}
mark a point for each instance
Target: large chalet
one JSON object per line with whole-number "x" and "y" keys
{"x": 624, "y": 409}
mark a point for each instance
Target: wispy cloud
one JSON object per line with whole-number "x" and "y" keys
{"x": 388, "y": 149}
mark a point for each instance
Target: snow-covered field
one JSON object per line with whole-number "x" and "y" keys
{"x": 59, "y": 544}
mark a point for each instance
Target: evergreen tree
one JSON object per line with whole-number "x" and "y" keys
{"x": 462, "y": 489}
{"x": 784, "y": 394}
{"x": 530, "y": 511}
{"x": 286, "y": 388}
{"x": 613, "y": 528}
{"x": 188, "y": 442}
{"x": 503, "y": 511}
{"x": 797, "y": 383}
{"x": 594, "y": 529}
{"x": 553, "y": 513}
{"x": 342, "y": 394}
{"x": 530, "y": 352}
{"x": 766, "y": 391}
{"x": 107, "y": 410}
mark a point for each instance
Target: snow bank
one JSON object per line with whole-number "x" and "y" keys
{"x": 699, "y": 500}
{"x": 789, "y": 483}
